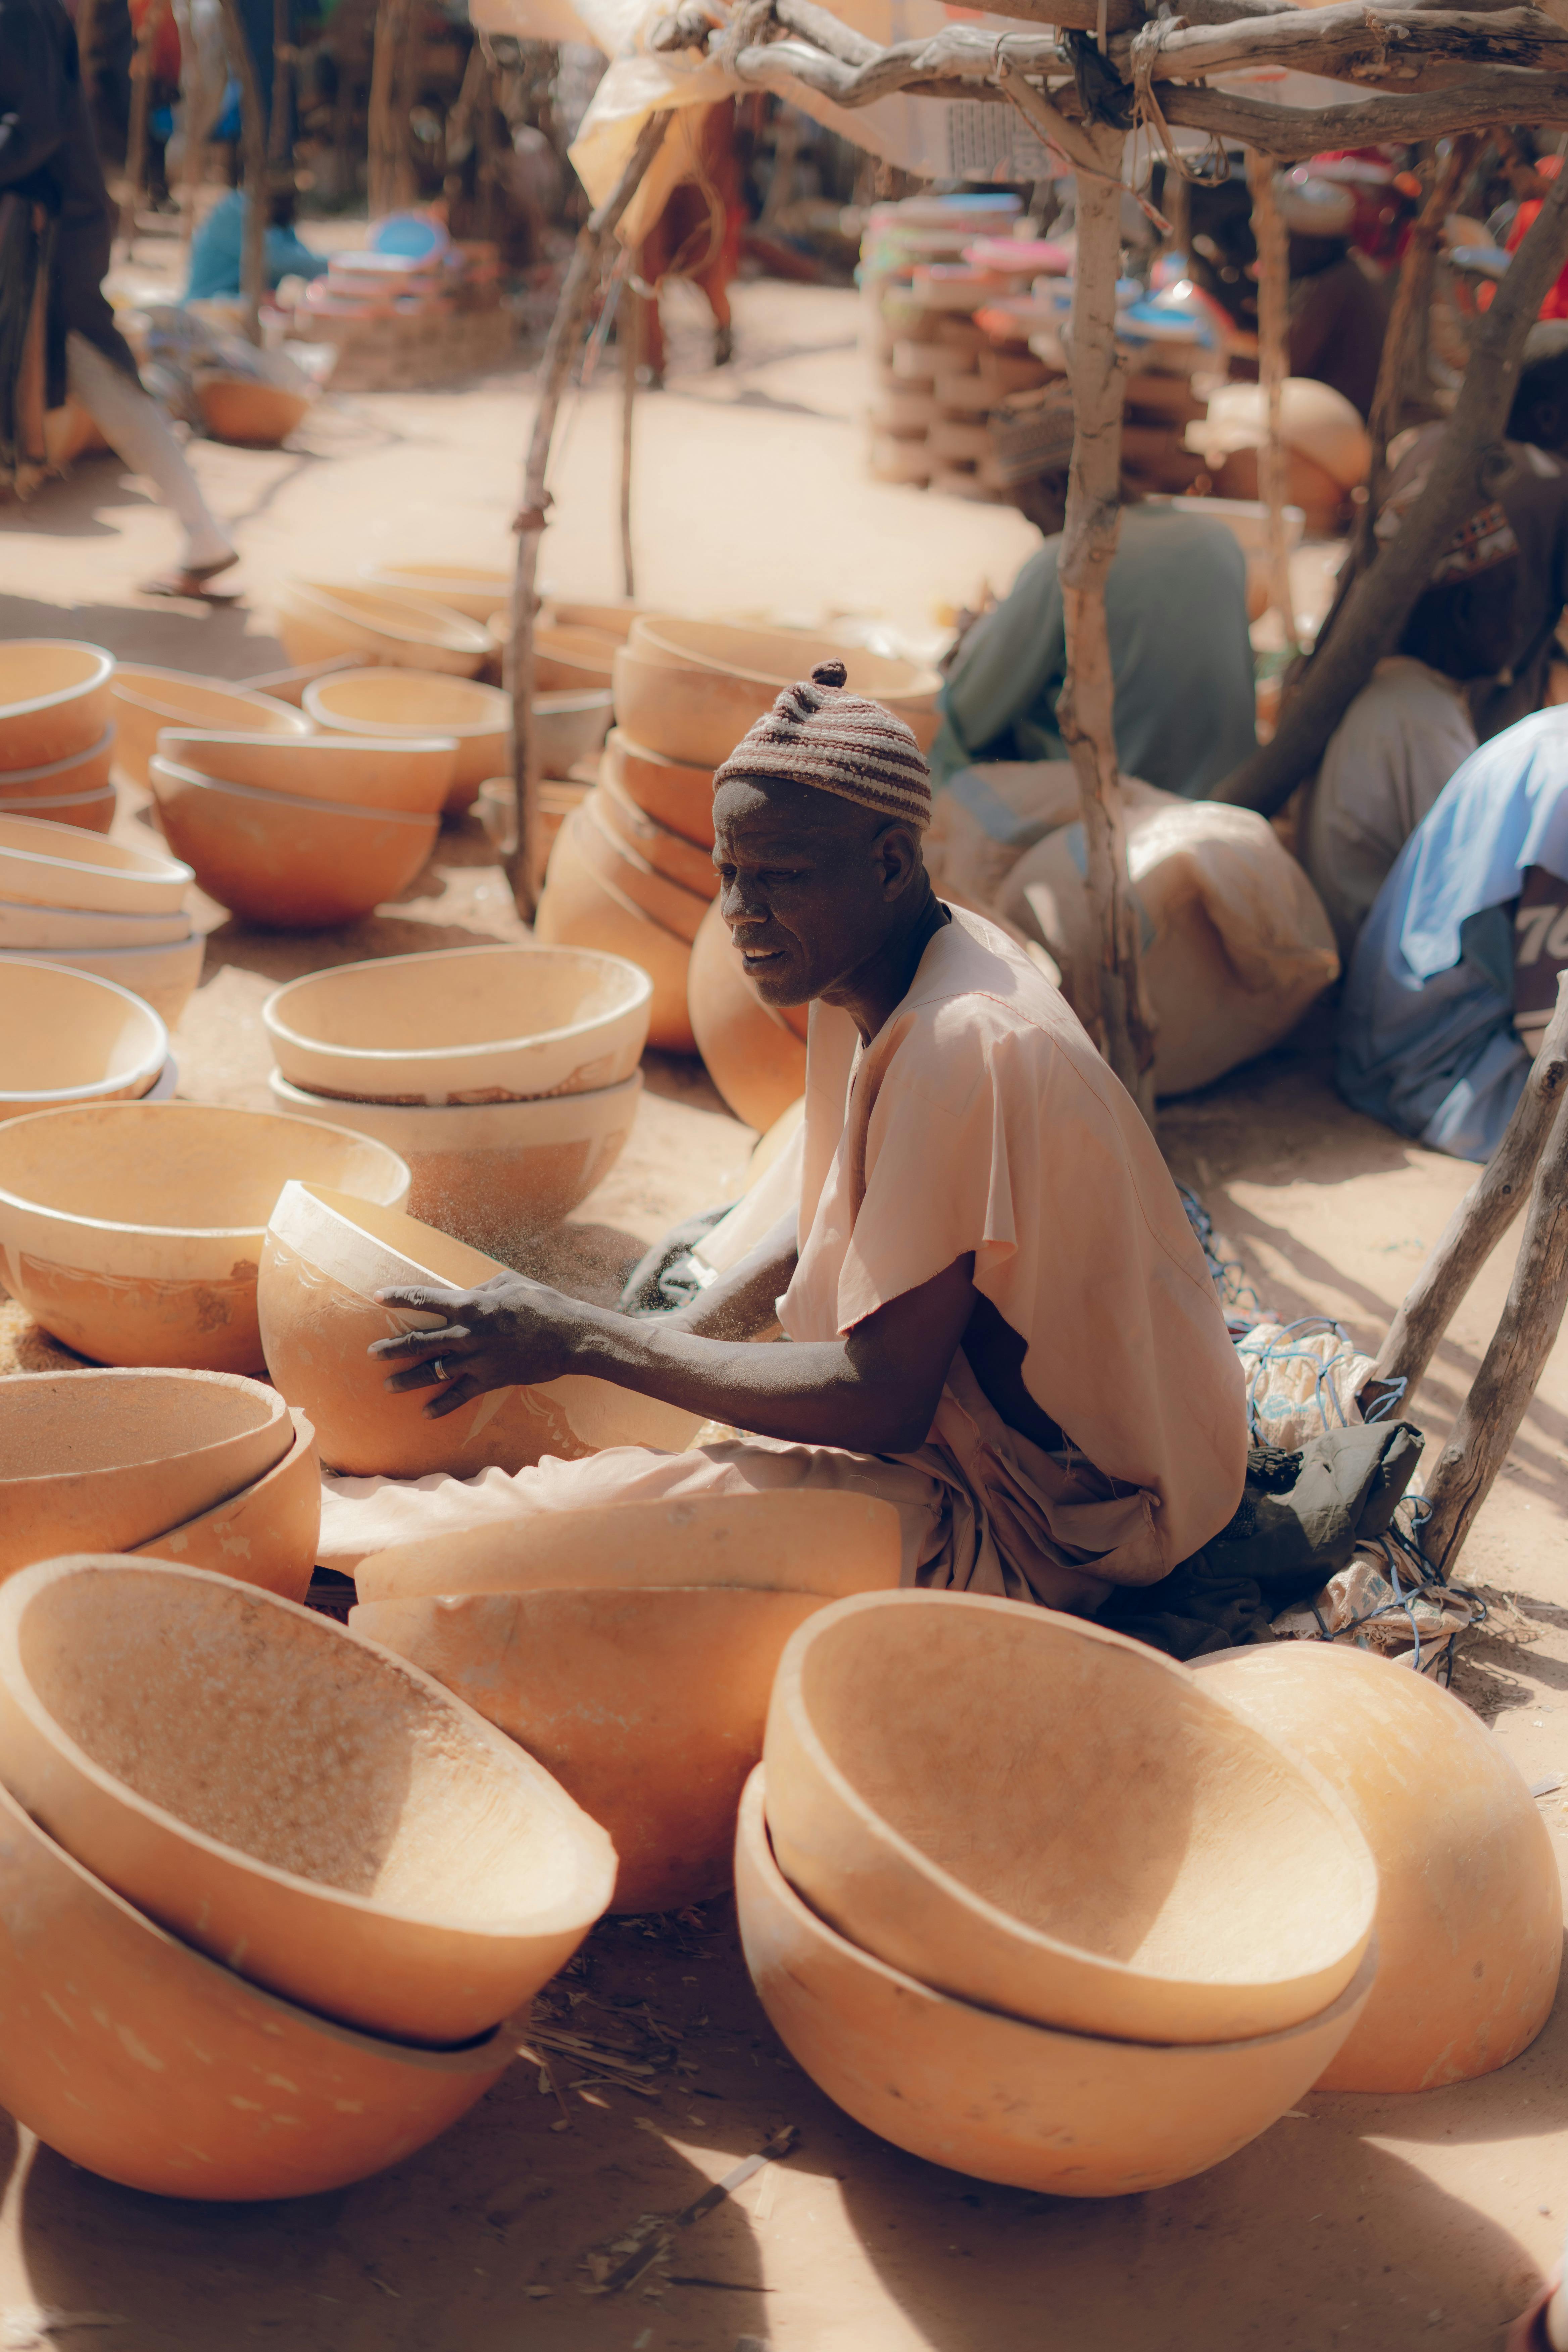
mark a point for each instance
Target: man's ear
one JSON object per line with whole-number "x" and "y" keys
{"x": 897, "y": 853}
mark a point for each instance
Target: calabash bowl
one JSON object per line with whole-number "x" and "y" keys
{"x": 267, "y": 1534}
{"x": 630, "y": 876}
{"x": 43, "y": 930}
{"x": 993, "y": 2097}
{"x": 253, "y": 416}
{"x": 54, "y": 700}
{"x": 101, "y": 1460}
{"x": 572, "y": 660}
{"x": 412, "y": 776}
{"x": 691, "y": 688}
{"x": 786, "y": 1541}
{"x": 286, "y": 862}
{"x": 147, "y": 701}
{"x": 669, "y": 853}
{"x": 463, "y": 1025}
{"x": 680, "y": 797}
{"x": 754, "y": 1053}
{"x": 1024, "y": 1810}
{"x": 571, "y": 726}
{"x": 326, "y": 1257}
{"x": 77, "y": 773}
{"x": 69, "y": 1037}
{"x": 1470, "y": 1913}
{"x": 490, "y": 1173}
{"x": 318, "y": 619}
{"x": 647, "y": 1706}
{"x": 163, "y": 977}
{"x": 132, "y": 1231}
{"x": 89, "y": 812}
{"x": 140, "y": 2059}
{"x": 44, "y": 865}
{"x": 473, "y": 589}
{"x": 172, "y": 1730}
{"x": 391, "y": 705}
{"x": 579, "y": 908}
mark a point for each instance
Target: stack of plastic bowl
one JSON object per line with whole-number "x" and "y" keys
{"x": 270, "y": 1899}
{"x": 754, "y": 1053}
{"x": 67, "y": 1038}
{"x": 631, "y": 1648}
{"x": 319, "y": 618}
{"x": 148, "y": 700}
{"x": 205, "y": 1468}
{"x": 325, "y": 1258}
{"x": 57, "y": 732}
{"x": 132, "y": 1231}
{"x": 301, "y": 832}
{"x": 506, "y": 1077}
{"x": 115, "y": 913}
{"x": 1031, "y": 1901}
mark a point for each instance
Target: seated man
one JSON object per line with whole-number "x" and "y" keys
{"x": 997, "y": 1317}
{"x": 217, "y": 249}
{"x": 1456, "y": 969}
{"x": 1176, "y": 609}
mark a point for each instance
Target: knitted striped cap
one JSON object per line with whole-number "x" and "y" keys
{"x": 842, "y": 743}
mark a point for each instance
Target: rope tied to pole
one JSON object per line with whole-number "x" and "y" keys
{"x": 1010, "y": 81}
{"x": 1148, "y": 115}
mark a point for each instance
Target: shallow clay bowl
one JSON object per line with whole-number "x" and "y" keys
{"x": 133, "y": 2055}
{"x": 147, "y": 701}
{"x": 754, "y": 1053}
{"x": 85, "y": 812}
{"x": 1469, "y": 1915}
{"x": 292, "y": 1801}
{"x": 132, "y": 1231}
{"x": 490, "y": 1173}
{"x": 412, "y": 777}
{"x": 462, "y": 1025}
{"x": 162, "y": 977}
{"x": 647, "y": 1705}
{"x": 830, "y": 1544}
{"x": 991, "y": 2096}
{"x": 1024, "y": 1810}
{"x": 579, "y": 908}
{"x": 469, "y": 588}
{"x": 680, "y": 797}
{"x": 390, "y": 705}
{"x": 100, "y": 1461}
{"x": 319, "y": 618}
{"x": 268, "y": 1534}
{"x": 286, "y": 862}
{"x": 44, "y": 864}
{"x": 54, "y": 700}
{"x": 67, "y": 1037}
{"x": 326, "y": 1257}
{"x": 80, "y": 771}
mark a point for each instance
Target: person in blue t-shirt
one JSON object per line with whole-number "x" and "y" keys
{"x": 217, "y": 247}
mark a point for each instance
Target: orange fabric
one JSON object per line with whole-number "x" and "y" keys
{"x": 1556, "y": 303}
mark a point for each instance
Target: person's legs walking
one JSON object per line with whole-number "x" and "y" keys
{"x": 138, "y": 431}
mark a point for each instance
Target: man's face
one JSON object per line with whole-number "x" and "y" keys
{"x": 808, "y": 884}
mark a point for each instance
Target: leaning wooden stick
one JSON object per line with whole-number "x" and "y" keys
{"x": 253, "y": 134}
{"x": 1273, "y": 368}
{"x": 1481, "y": 1219}
{"x": 554, "y": 369}
{"x": 1501, "y": 1390}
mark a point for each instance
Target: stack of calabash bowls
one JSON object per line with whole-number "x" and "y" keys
{"x": 631, "y": 1649}
{"x": 1035, "y": 1902}
{"x": 132, "y": 1231}
{"x": 475, "y": 590}
{"x": 754, "y": 1052}
{"x": 386, "y": 705}
{"x": 506, "y": 1077}
{"x": 57, "y": 731}
{"x": 67, "y": 1038}
{"x": 115, "y": 913}
{"x": 378, "y": 622}
{"x": 148, "y": 700}
{"x": 224, "y": 1975}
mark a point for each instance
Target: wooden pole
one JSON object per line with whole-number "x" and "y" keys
{"x": 253, "y": 131}
{"x": 1273, "y": 367}
{"x": 385, "y": 126}
{"x": 1481, "y": 1219}
{"x": 1501, "y": 1390}
{"x": 278, "y": 142}
{"x": 630, "y": 334}
{"x": 1379, "y": 603}
{"x": 140, "y": 106}
{"x": 555, "y": 370}
{"x": 202, "y": 104}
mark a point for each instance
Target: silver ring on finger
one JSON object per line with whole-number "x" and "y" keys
{"x": 439, "y": 1369}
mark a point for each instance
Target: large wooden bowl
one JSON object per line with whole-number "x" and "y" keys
{"x": 462, "y": 1025}
{"x": 680, "y": 797}
{"x": 1065, "y": 2113}
{"x": 647, "y": 1706}
{"x": 754, "y": 1053}
{"x": 579, "y": 907}
{"x": 411, "y": 775}
{"x": 134, "y": 1231}
{"x": 133, "y": 2055}
{"x": 493, "y": 1173}
{"x": 390, "y": 705}
{"x": 147, "y": 701}
{"x": 285, "y": 862}
{"x": 163, "y": 977}
{"x": 54, "y": 700}
{"x": 44, "y": 865}
{"x": 292, "y": 1801}
{"x": 69, "y": 1037}
{"x": 1470, "y": 1913}
{"x": 326, "y": 1257}
{"x": 101, "y": 1460}
{"x": 268, "y": 1534}
{"x": 1026, "y": 1811}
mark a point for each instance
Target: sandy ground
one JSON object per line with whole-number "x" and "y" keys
{"x": 1374, "y": 2225}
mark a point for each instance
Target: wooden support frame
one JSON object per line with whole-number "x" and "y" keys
{"x": 253, "y": 138}
{"x": 1273, "y": 368}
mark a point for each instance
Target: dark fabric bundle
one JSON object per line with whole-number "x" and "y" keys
{"x": 1300, "y": 1518}
{"x": 26, "y": 234}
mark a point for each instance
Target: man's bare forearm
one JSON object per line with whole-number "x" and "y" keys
{"x": 741, "y": 1305}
